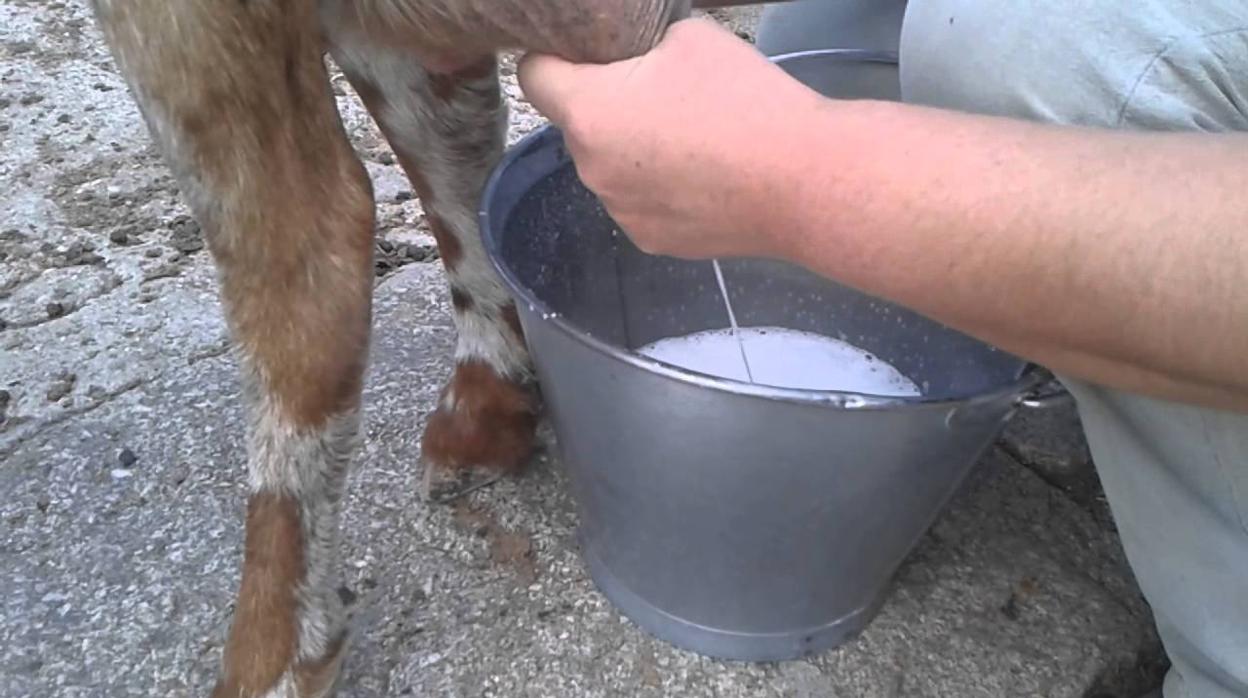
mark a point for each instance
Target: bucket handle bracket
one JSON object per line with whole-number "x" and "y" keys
{"x": 1046, "y": 395}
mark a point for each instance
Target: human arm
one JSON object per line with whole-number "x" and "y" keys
{"x": 1120, "y": 258}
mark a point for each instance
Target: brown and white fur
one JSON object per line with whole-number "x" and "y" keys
{"x": 236, "y": 95}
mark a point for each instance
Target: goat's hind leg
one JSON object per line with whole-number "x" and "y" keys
{"x": 427, "y": 71}
{"x": 448, "y": 130}
{"x": 237, "y": 97}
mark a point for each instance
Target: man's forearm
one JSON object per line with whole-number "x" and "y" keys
{"x": 1119, "y": 258}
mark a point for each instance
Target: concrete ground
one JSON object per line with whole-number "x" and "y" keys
{"x": 121, "y": 452}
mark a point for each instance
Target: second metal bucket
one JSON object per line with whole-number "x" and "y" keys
{"x": 740, "y": 521}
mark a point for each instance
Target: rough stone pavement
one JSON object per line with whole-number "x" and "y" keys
{"x": 122, "y": 464}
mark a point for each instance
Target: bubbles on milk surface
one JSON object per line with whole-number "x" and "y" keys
{"x": 783, "y": 358}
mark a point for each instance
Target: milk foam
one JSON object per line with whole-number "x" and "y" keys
{"x": 783, "y": 358}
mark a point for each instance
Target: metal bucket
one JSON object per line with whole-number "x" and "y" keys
{"x": 735, "y": 520}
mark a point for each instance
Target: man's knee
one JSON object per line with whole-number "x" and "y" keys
{"x": 1064, "y": 61}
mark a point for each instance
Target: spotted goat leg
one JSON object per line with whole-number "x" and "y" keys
{"x": 237, "y": 98}
{"x": 447, "y": 130}
{"x": 426, "y": 70}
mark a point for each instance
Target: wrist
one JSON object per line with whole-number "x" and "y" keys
{"x": 807, "y": 169}
{"x": 830, "y": 175}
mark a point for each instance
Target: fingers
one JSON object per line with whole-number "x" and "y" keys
{"x": 550, "y": 83}
{"x": 556, "y": 87}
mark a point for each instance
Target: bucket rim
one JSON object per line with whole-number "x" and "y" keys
{"x": 864, "y": 55}
{"x": 548, "y": 135}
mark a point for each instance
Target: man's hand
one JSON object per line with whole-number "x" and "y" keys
{"x": 682, "y": 144}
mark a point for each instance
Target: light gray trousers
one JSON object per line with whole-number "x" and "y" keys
{"x": 1176, "y": 476}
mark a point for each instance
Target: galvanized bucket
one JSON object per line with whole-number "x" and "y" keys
{"x": 736, "y": 520}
